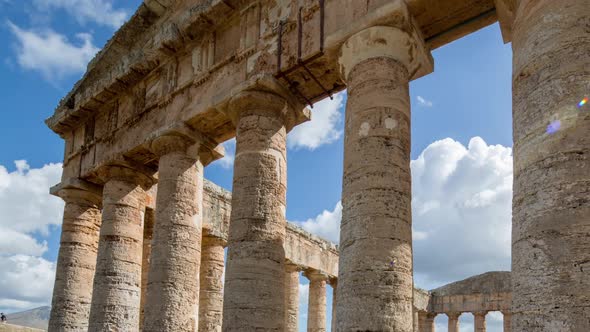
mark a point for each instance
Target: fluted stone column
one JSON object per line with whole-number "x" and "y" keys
{"x": 254, "y": 297}
{"x": 173, "y": 281}
{"x": 453, "y": 321}
{"x": 76, "y": 262}
{"x": 507, "y": 321}
{"x": 375, "y": 270}
{"x": 334, "y": 284}
{"x": 211, "y": 292}
{"x": 479, "y": 323}
{"x": 416, "y": 321}
{"x": 117, "y": 283}
{"x": 148, "y": 234}
{"x": 291, "y": 298}
{"x": 316, "y": 309}
{"x": 551, "y": 202}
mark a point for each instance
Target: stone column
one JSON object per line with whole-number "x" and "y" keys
{"x": 211, "y": 292}
{"x": 291, "y": 298}
{"x": 316, "y": 309}
{"x": 148, "y": 233}
{"x": 76, "y": 262}
{"x": 173, "y": 282}
{"x": 479, "y": 323}
{"x": 507, "y": 321}
{"x": 429, "y": 323}
{"x": 254, "y": 296}
{"x": 334, "y": 284}
{"x": 416, "y": 321}
{"x": 117, "y": 283}
{"x": 453, "y": 321}
{"x": 375, "y": 271}
{"x": 551, "y": 200}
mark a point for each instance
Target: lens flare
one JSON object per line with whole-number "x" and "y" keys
{"x": 583, "y": 102}
{"x": 553, "y": 127}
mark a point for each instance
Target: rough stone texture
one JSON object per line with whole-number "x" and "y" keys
{"x": 76, "y": 262}
{"x": 173, "y": 280}
{"x": 334, "y": 284}
{"x": 254, "y": 296}
{"x": 453, "y": 325}
{"x": 507, "y": 322}
{"x": 375, "y": 273}
{"x": 148, "y": 234}
{"x": 479, "y": 321}
{"x": 316, "y": 308}
{"x": 426, "y": 321}
{"x": 211, "y": 292}
{"x": 291, "y": 298}
{"x": 416, "y": 320}
{"x": 117, "y": 282}
{"x": 490, "y": 291}
{"x": 551, "y": 204}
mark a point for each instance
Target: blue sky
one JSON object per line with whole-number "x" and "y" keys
{"x": 461, "y": 140}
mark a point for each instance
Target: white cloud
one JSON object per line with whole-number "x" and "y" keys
{"x": 461, "y": 206}
{"x": 322, "y": 129}
{"x": 227, "y": 161}
{"x": 28, "y": 213}
{"x": 424, "y": 102}
{"x": 51, "y": 53}
{"x": 84, "y": 11}
{"x": 303, "y": 303}
{"x": 326, "y": 224}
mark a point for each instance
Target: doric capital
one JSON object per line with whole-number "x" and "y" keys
{"x": 263, "y": 103}
{"x": 481, "y": 313}
{"x": 404, "y": 46}
{"x": 78, "y": 190}
{"x": 453, "y": 315}
{"x": 289, "y": 267}
{"x": 180, "y": 137}
{"x": 315, "y": 275}
{"x": 333, "y": 282}
{"x": 128, "y": 173}
{"x": 211, "y": 241}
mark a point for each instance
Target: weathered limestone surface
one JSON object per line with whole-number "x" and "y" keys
{"x": 551, "y": 204}
{"x": 507, "y": 322}
{"x": 254, "y": 296}
{"x": 76, "y": 262}
{"x": 375, "y": 272}
{"x": 334, "y": 284}
{"x": 173, "y": 280}
{"x": 490, "y": 291}
{"x": 148, "y": 234}
{"x": 453, "y": 325}
{"x": 479, "y": 321}
{"x": 291, "y": 298}
{"x": 117, "y": 282}
{"x": 211, "y": 279}
{"x": 316, "y": 316}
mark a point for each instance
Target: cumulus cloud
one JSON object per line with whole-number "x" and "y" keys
{"x": 424, "y": 102}
{"x": 326, "y": 224}
{"x": 98, "y": 11}
{"x": 323, "y": 127}
{"x": 51, "y": 53}
{"x": 461, "y": 206}
{"x": 28, "y": 215}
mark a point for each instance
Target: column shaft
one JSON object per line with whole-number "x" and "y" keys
{"x": 453, "y": 322}
{"x": 479, "y": 323}
{"x": 148, "y": 233}
{"x": 254, "y": 296}
{"x": 507, "y": 321}
{"x": 291, "y": 298}
{"x": 551, "y": 202}
{"x": 429, "y": 323}
{"x": 334, "y": 283}
{"x": 173, "y": 281}
{"x": 76, "y": 262}
{"x": 416, "y": 321}
{"x": 117, "y": 283}
{"x": 211, "y": 292}
{"x": 375, "y": 270}
{"x": 316, "y": 309}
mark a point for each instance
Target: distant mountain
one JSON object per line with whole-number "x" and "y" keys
{"x": 36, "y": 318}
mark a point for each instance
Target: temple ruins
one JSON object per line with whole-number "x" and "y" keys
{"x": 144, "y": 234}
